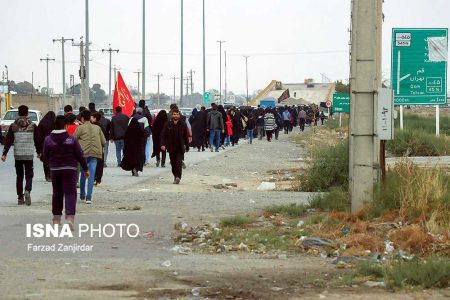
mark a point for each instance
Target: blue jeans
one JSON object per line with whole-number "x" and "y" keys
{"x": 250, "y": 135}
{"x": 119, "y": 148}
{"x": 214, "y": 136}
{"x": 92, "y": 165}
{"x": 227, "y": 140}
{"x": 148, "y": 146}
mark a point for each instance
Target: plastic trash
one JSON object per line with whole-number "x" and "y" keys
{"x": 300, "y": 223}
{"x": 316, "y": 242}
{"x": 195, "y": 292}
{"x": 167, "y": 263}
{"x": 388, "y": 247}
{"x": 266, "y": 186}
{"x": 282, "y": 256}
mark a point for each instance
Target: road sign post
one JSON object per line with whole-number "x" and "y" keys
{"x": 419, "y": 66}
{"x": 341, "y": 103}
{"x": 207, "y": 98}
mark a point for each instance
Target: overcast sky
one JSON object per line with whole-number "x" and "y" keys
{"x": 288, "y": 40}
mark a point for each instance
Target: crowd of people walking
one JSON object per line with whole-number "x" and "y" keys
{"x": 74, "y": 148}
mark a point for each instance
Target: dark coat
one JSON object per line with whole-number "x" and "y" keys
{"x": 119, "y": 125}
{"x": 171, "y": 136}
{"x": 158, "y": 126}
{"x": 134, "y": 147}
{"x": 198, "y": 125}
{"x": 44, "y": 129}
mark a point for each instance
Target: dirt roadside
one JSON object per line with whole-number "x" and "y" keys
{"x": 197, "y": 199}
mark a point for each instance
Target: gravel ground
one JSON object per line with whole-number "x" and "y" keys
{"x": 225, "y": 276}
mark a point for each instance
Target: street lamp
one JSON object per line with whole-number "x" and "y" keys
{"x": 220, "y": 70}
{"x": 246, "y": 74}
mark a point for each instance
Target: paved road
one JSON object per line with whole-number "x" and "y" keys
{"x": 113, "y": 176}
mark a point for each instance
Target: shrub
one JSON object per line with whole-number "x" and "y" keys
{"x": 431, "y": 272}
{"x": 336, "y": 200}
{"x": 237, "y": 221}
{"x": 417, "y": 142}
{"x": 328, "y": 168}
{"x": 291, "y": 210}
{"x": 418, "y": 194}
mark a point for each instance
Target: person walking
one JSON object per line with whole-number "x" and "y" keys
{"x": 119, "y": 125}
{"x": 286, "y": 120}
{"x": 160, "y": 120}
{"x": 322, "y": 117}
{"x": 135, "y": 141}
{"x": 215, "y": 126}
{"x": 260, "y": 125}
{"x": 23, "y": 134}
{"x": 175, "y": 140}
{"x": 95, "y": 119}
{"x": 148, "y": 145}
{"x": 45, "y": 127}
{"x": 269, "y": 124}
{"x": 198, "y": 125}
{"x": 250, "y": 127}
{"x": 229, "y": 133}
{"x": 92, "y": 140}
{"x": 63, "y": 153}
{"x": 302, "y": 116}
{"x": 105, "y": 124}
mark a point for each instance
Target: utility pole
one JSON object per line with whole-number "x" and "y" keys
{"x": 84, "y": 88}
{"x": 143, "y": 50}
{"x": 204, "y": 51}
{"x": 47, "y": 60}
{"x": 158, "y": 76}
{"x": 187, "y": 86}
{"x": 72, "y": 83}
{"x": 110, "y": 54}
{"x": 191, "y": 72}
{"x": 174, "y": 88}
{"x": 181, "y": 60}
{"x": 225, "y": 76}
{"x": 246, "y": 74}
{"x": 32, "y": 84}
{"x": 220, "y": 71}
{"x": 86, "y": 59}
{"x": 365, "y": 79}
{"x": 139, "y": 74}
{"x": 63, "y": 40}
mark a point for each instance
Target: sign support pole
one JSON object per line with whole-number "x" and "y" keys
{"x": 340, "y": 119}
{"x": 437, "y": 120}
{"x": 401, "y": 117}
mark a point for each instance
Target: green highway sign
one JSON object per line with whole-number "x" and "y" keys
{"x": 341, "y": 103}
{"x": 207, "y": 98}
{"x": 419, "y": 66}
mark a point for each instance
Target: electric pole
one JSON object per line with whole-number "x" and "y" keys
{"x": 181, "y": 60}
{"x": 204, "y": 51}
{"x": 225, "y": 76}
{"x": 110, "y": 54}
{"x": 158, "y": 76}
{"x": 84, "y": 89}
{"x": 365, "y": 79}
{"x": 187, "y": 86}
{"x": 143, "y": 49}
{"x": 246, "y": 74}
{"x": 86, "y": 57}
{"x": 63, "y": 40}
{"x": 174, "y": 88}
{"x": 191, "y": 72}
{"x": 220, "y": 71}
{"x": 47, "y": 60}
{"x": 139, "y": 75}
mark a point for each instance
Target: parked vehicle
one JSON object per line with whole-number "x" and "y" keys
{"x": 109, "y": 112}
{"x": 11, "y": 115}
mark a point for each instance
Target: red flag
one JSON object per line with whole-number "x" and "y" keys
{"x": 122, "y": 97}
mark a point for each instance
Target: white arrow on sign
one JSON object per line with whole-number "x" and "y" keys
{"x": 400, "y": 79}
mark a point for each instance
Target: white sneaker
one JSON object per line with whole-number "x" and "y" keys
{"x": 88, "y": 201}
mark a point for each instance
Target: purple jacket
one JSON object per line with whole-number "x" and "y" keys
{"x": 63, "y": 152}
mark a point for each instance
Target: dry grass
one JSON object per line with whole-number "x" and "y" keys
{"x": 413, "y": 239}
{"x": 417, "y": 195}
